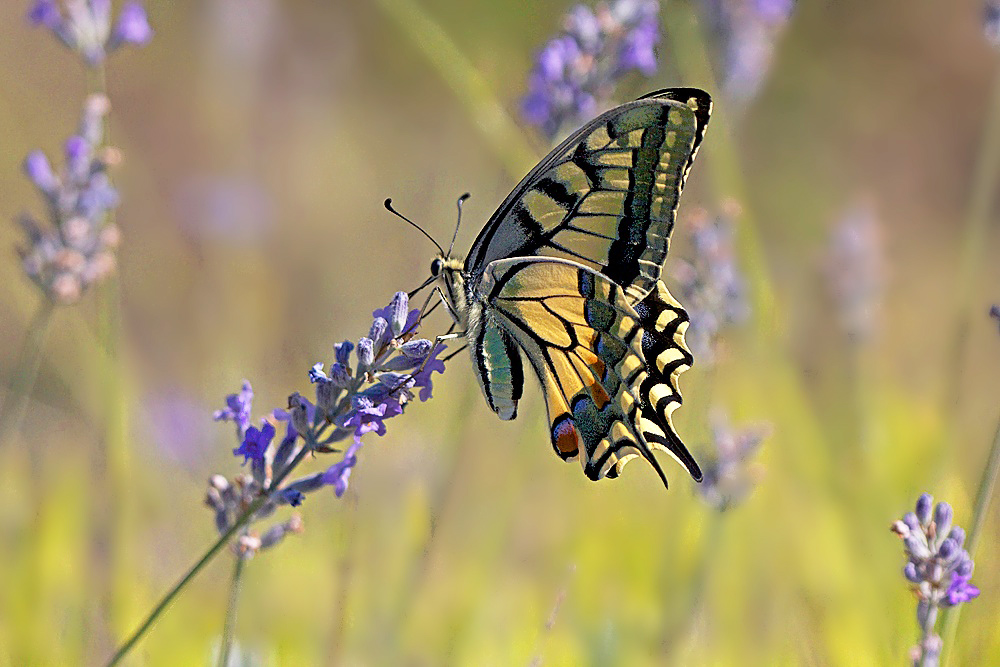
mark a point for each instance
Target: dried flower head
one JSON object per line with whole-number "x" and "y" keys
{"x": 730, "y": 474}
{"x": 744, "y": 34}
{"x": 855, "y": 270}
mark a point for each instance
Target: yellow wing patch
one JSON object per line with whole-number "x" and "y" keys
{"x": 608, "y": 369}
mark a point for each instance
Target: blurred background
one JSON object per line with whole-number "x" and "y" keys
{"x": 260, "y": 138}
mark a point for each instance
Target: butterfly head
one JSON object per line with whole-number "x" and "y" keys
{"x": 450, "y": 272}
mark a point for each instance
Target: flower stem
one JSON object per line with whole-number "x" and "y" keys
{"x": 110, "y": 550}
{"x": 489, "y": 116}
{"x": 987, "y": 484}
{"x": 213, "y": 550}
{"x": 229, "y": 629}
{"x": 929, "y": 644}
{"x": 25, "y": 371}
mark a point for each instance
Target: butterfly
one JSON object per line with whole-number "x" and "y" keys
{"x": 566, "y": 274}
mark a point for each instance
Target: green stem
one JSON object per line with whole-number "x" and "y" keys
{"x": 500, "y": 131}
{"x": 987, "y": 484}
{"x": 229, "y": 629}
{"x": 25, "y": 371}
{"x": 680, "y": 627}
{"x": 974, "y": 245}
{"x": 111, "y": 465}
{"x": 216, "y": 547}
{"x": 344, "y": 572}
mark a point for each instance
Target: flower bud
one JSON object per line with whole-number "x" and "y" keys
{"x": 924, "y": 503}
{"x": 366, "y": 354}
{"x": 398, "y": 311}
{"x": 343, "y": 352}
{"x": 942, "y": 518}
{"x": 417, "y": 348}
{"x": 378, "y": 332}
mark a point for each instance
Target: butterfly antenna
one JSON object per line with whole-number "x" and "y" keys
{"x": 461, "y": 200}
{"x": 388, "y": 206}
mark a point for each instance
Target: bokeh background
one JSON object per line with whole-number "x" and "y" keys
{"x": 260, "y": 138}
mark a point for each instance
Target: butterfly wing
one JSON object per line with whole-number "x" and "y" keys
{"x": 607, "y": 196}
{"x": 608, "y": 369}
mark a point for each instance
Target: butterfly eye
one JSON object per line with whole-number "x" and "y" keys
{"x": 436, "y": 267}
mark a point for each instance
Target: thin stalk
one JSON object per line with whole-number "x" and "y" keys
{"x": 229, "y": 629}
{"x": 216, "y": 547}
{"x": 501, "y": 132}
{"x": 25, "y": 371}
{"x": 678, "y": 627}
{"x": 987, "y": 484}
{"x": 344, "y": 571}
{"x": 974, "y": 245}
{"x": 111, "y": 463}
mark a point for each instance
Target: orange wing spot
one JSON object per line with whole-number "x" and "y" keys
{"x": 565, "y": 437}
{"x": 600, "y": 395}
{"x": 595, "y": 362}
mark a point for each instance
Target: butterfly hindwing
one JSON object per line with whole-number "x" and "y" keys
{"x": 607, "y": 196}
{"x": 608, "y": 370}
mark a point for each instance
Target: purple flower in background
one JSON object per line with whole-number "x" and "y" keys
{"x": 85, "y": 26}
{"x": 938, "y": 567}
{"x": 76, "y": 247}
{"x": 711, "y": 284}
{"x": 730, "y": 475}
{"x": 576, "y": 72}
{"x": 855, "y": 268}
{"x": 743, "y": 34}
{"x": 255, "y": 443}
{"x": 132, "y": 26}
{"x": 991, "y": 22}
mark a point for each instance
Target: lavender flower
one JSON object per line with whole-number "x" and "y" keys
{"x": 711, "y": 284}
{"x": 76, "y": 248}
{"x": 349, "y": 404}
{"x": 743, "y": 35}
{"x": 575, "y": 73}
{"x": 255, "y": 443}
{"x": 938, "y": 567}
{"x": 237, "y": 410}
{"x": 855, "y": 268}
{"x": 730, "y": 476}
{"x": 85, "y": 26}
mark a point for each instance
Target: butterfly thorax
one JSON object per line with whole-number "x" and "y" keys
{"x": 450, "y": 272}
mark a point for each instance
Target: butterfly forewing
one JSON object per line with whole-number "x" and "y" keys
{"x": 607, "y": 196}
{"x": 608, "y": 369}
